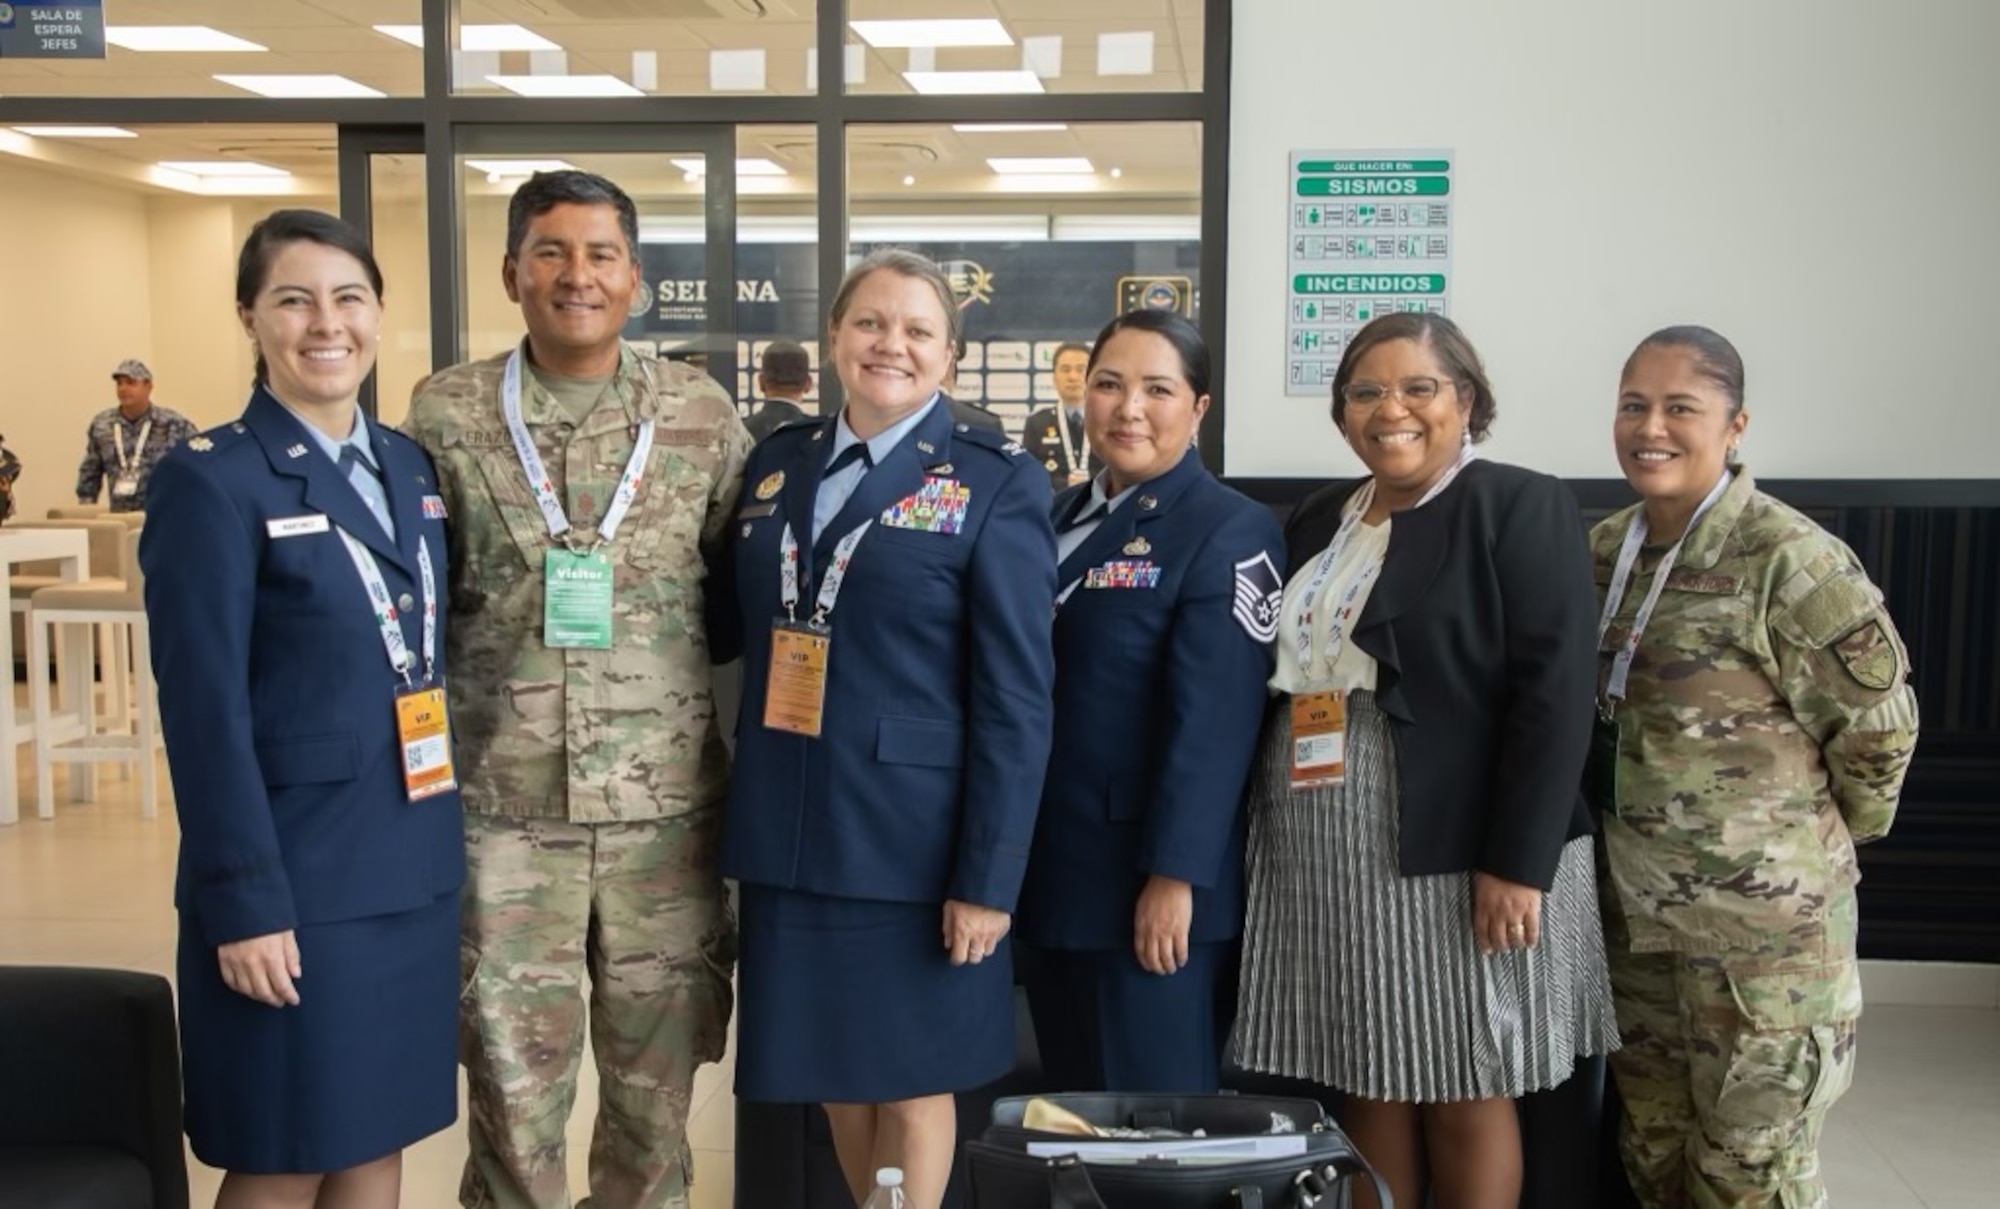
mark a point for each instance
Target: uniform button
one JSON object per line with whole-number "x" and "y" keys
{"x": 406, "y": 602}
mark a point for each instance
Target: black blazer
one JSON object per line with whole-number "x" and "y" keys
{"x": 1484, "y": 626}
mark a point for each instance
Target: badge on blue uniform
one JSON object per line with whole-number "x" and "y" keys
{"x": 1123, "y": 573}
{"x": 937, "y": 507}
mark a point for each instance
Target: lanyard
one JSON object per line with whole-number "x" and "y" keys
{"x": 138, "y": 446}
{"x": 829, "y": 584}
{"x": 1336, "y": 630}
{"x": 385, "y": 608}
{"x": 1621, "y": 577}
{"x": 538, "y": 475}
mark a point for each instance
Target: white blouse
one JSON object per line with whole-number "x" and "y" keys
{"x": 1353, "y": 668}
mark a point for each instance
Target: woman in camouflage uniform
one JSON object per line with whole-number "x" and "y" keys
{"x": 1754, "y": 726}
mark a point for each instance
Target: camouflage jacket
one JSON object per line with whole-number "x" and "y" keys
{"x": 585, "y": 735}
{"x": 1766, "y": 729}
{"x": 111, "y": 434}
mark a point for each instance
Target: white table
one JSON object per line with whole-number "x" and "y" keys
{"x": 70, "y": 549}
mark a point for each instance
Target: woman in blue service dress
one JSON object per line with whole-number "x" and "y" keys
{"x": 1422, "y": 928}
{"x": 893, "y": 570}
{"x": 292, "y": 560}
{"x": 1167, "y": 603}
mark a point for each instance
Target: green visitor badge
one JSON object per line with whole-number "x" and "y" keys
{"x": 576, "y": 589}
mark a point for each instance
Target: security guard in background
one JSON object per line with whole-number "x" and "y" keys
{"x": 1167, "y": 608}
{"x": 588, "y": 486}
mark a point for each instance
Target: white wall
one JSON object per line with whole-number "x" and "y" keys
{"x": 76, "y": 277}
{"x": 1816, "y": 179}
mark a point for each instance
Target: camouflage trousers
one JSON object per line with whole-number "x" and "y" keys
{"x": 1727, "y": 1071}
{"x": 638, "y": 909}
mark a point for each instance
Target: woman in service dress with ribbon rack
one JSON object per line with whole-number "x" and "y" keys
{"x": 894, "y": 571}
{"x": 291, "y": 562}
{"x": 1168, "y": 601}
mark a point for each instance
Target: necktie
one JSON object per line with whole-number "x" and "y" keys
{"x": 857, "y": 452}
{"x": 1076, "y": 440}
{"x": 351, "y": 458}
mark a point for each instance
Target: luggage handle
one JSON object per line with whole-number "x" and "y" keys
{"x": 1070, "y": 1186}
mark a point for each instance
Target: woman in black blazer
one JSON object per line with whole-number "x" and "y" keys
{"x": 1422, "y": 929}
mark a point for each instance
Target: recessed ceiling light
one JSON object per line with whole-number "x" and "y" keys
{"x": 476, "y": 37}
{"x": 1068, "y": 165}
{"x": 1006, "y": 127}
{"x": 1116, "y": 173}
{"x": 566, "y": 86}
{"x": 972, "y": 83}
{"x": 240, "y": 169}
{"x": 744, "y": 167}
{"x": 976, "y": 32}
{"x": 518, "y": 167}
{"x": 153, "y": 38}
{"x": 77, "y": 132}
{"x": 909, "y": 180}
{"x": 292, "y": 87}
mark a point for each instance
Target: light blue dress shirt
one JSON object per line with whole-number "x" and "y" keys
{"x": 835, "y": 488}
{"x": 368, "y": 486}
{"x": 1093, "y": 514}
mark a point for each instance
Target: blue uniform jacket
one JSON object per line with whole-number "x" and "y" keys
{"x": 924, "y": 781}
{"x": 277, "y": 700}
{"x": 1160, "y": 695}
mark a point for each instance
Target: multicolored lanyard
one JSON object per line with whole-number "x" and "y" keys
{"x": 829, "y": 584}
{"x": 1621, "y": 578}
{"x": 1336, "y": 630}
{"x": 538, "y": 476}
{"x": 386, "y": 616}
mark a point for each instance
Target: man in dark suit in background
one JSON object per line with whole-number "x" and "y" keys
{"x": 1053, "y": 436}
{"x": 783, "y": 378}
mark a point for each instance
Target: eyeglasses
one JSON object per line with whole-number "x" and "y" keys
{"x": 1416, "y": 393}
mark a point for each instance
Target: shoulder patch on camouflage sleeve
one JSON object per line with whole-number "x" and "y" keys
{"x": 1870, "y": 657}
{"x": 1839, "y": 603}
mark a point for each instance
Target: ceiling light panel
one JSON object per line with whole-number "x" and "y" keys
{"x": 77, "y": 132}
{"x": 886, "y": 34}
{"x": 476, "y": 37}
{"x": 1007, "y": 127}
{"x": 297, "y": 86}
{"x": 240, "y": 169}
{"x": 155, "y": 39}
{"x": 972, "y": 83}
{"x": 1031, "y": 165}
{"x": 566, "y": 86}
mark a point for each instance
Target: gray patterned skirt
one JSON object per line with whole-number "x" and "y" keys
{"x": 1362, "y": 979}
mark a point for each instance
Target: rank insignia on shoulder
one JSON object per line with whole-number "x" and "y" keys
{"x": 1138, "y": 547}
{"x": 201, "y": 444}
{"x": 1260, "y": 592}
{"x": 773, "y": 483}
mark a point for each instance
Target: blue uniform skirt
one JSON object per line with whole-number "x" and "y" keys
{"x": 366, "y": 1064}
{"x": 852, "y": 1001}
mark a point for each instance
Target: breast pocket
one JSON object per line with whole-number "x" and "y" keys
{"x": 663, "y": 531}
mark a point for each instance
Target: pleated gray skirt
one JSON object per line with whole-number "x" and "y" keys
{"x": 1362, "y": 979}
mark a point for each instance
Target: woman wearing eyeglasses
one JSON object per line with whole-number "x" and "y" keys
{"x": 1422, "y": 927}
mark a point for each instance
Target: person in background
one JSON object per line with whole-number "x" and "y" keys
{"x": 894, "y": 572}
{"x": 1422, "y": 927}
{"x": 1053, "y": 436}
{"x": 291, "y": 564}
{"x": 783, "y": 378}
{"x": 967, "y": 411}
{"x": 128, "y": 440}
{"x": 588, "y": 488}
{"x": 1168, "y": 605}
{"x": 1754, "y": 726}
{"x": 10, "y": 470}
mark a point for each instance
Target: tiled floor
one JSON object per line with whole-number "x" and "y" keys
{"x": 1919, "y": 1130}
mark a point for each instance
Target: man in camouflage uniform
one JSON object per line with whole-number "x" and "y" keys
{"x": 125, "y": 442}
{"x": 1765, "y": 731}
{"x": 593, "y": 778}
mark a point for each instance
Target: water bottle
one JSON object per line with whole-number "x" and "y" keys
{"x": 888, "y": 1192}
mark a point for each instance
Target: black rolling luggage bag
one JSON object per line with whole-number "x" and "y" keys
{"x": 1002, "y": 1174}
